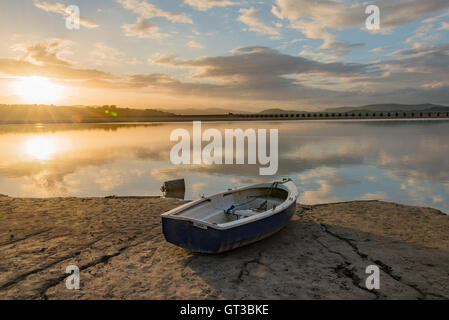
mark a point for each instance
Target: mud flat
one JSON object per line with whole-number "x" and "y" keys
{"x": 118, "y": 245}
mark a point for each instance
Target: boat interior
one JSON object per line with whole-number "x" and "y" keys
{"x": 235, "y": 205}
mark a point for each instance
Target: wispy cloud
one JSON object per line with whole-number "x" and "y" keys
{"x": 148, "y": 10}
{"x": 379, "y": 49}
{"x": 61, "y": 9}
{"x": 47, "y": 52}
{"x": 204, "y": 5}
{"x": 195, "y": 44}
{"x": 444, "y": 26}
{"x": 436, "y": 18}
{"x": 106, "y": 55}
{"x": 43, "y": 58}
{"x": 252, "y": 19}
{"x": 143, "y": 29}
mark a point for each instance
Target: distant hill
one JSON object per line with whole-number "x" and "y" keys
{"x": 274, "y": 111}
{"x": 49, "y": 114}
{"x": 391, "y": 107}
{"x": 206, "y": 111}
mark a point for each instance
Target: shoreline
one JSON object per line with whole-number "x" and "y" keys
{"x": 238, "y": 118}
{"x": 438, "y": 211}
{"x": 119, "y": 247}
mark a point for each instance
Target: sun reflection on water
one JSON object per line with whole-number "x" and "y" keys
{"x": 41, "y": 147}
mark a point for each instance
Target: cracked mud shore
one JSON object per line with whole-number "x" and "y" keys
{"x": 118, "y": 245}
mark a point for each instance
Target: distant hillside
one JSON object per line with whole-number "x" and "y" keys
{"x": 206, "y": 111}
{"x": 391, "y": 107}
{"x": 274, "y": 111}
{"x": 45, "y": 114}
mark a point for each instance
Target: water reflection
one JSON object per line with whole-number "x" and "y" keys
{"x": 41, "y": 148}
{"x": 330, "y": 161}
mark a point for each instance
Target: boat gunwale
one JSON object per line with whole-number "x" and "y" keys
{"x": 291, "y": 198}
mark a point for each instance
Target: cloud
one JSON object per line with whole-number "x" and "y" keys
{"x": 253, "y": 50}
{"x": 341, "y": 46}
{"x": 252, "y": 73}
{"x": 105, "y": 55}
{"x": 43, "y": 58}
{"x": 46, "y": 52}
{"x": 160, "y": 58}
{"x": 143, "y": 29}
{"x": 444, "y": 26}
{"x": 333, "y": 50}
{"x": 277, "y": 13}
{"x": 153, "y": 79}
{"x": 436, "y": 18}
{"x": 417, "y": 48}
{"x": 263, "y": 74}
{"x": 430, "y": 61}
{"x": 319, "y": 19}
{"x": 147, "y": 10}
{"x": 319, "y": 55}
{"x": 261, "y": 63}
{"x": 337, "y": 15}
{"x": 378, "y": 49}
{"x": 60, "y": 8}
{"x": 423, "y": 33}
{"x": 196, "y": 45}
{"x": 204, "y": 5}
{"x": 252, "y": 19}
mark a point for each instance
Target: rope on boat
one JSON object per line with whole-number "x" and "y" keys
{"x": 267, "y": 193}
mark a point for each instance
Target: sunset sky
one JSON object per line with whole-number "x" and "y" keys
{"x": 242, "y": 55}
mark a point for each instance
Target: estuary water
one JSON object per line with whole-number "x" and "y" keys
{"x": 330, "y": 161}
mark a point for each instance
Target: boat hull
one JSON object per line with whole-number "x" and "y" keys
{"x": 184, "y": 234}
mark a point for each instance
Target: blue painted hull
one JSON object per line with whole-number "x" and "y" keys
{"x": 185, "y": 235}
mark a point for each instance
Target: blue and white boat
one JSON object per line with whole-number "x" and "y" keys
{"x": 231, "y": 219}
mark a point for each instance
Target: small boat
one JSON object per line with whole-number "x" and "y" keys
{"x": 231, "y": 219}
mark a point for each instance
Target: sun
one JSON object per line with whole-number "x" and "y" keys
{"x": 38, "y": 90}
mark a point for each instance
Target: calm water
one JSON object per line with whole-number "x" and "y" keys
{"x": 401, "y": 161}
